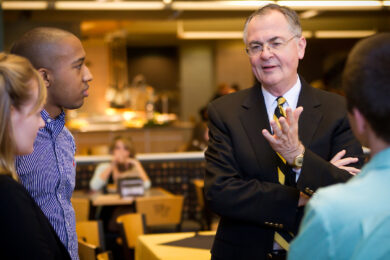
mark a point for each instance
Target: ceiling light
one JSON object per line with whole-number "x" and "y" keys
{"x": 333, "y": 5}
{"x": 309, "y": 14}
{"x": 167, "y": 2}
{"x": 128, "y": 5}
{"x": 219, "y": 5}
{"x": 344, "y": 34}
{"x": 307, "y": 34}
{"x": 24, "y": 5}
{"x": 210, "y": 35}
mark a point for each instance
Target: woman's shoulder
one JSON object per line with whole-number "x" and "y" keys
{"x": 7, "y": 183}
{"x": 102, "y": 166}
{"x": 11, "y": 189}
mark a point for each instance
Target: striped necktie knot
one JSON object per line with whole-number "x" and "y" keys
{"x": 279, "y": 111}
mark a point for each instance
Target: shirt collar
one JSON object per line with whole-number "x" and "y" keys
{"x": 54, "y": 126}
{"x": 380, "y": 160}
{"x": 291, "y": 96}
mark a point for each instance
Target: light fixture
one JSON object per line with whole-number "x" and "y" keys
{"x": 219, "y": 5}
{"x": 307, "y": 34}
{"x": 210, "y": 35}
{"x": 167, "y": 2}
{"x": 120, "y": 5}
{"x": 333, "y": 5}
{"x": 309, "y": 14}
{"x": 191, "y": 5}
{"x": 344, "y": 34}
{"x": 24, "y": 5}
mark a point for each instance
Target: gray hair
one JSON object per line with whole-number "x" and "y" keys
{"x": 290, "y": 15}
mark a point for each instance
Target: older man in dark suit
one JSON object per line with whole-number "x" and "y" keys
{"x": 271, "y": 146}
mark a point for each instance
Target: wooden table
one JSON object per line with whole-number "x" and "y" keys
{"x": 149, "y": 247}
{"x": 99, "y": 199}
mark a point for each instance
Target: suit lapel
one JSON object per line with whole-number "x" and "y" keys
{"x": 311, "y": 115}
{"x": 254, "y": 119}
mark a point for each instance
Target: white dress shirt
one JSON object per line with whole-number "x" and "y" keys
{"x": 291, "y": 97}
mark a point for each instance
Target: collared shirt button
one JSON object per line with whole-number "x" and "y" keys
{"x": 48, "y": 120}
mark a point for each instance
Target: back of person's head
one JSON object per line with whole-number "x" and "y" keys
{"x": 39, "y": 45}
{"x": 127, "y": 142}
{"x": 16, "y": 74}
{"x": 366, "y": 81}
{"x": 290, "y": 15}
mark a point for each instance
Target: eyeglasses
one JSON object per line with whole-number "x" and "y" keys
{"x": 271, "y": 46}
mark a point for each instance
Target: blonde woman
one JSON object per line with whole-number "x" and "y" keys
{"x": 25, "y": 231}
{"x": 123, "y": 163}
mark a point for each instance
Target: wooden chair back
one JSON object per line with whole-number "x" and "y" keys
{"x": 161, "y": 210}
{"x": 132, "y": 226}
{"x": 107, "y": 255}
{"x": 81, "y": 208}
{"x": 91, "y": 232}
{"x": 199, "y": 185}
{"x": 87, "y": 251}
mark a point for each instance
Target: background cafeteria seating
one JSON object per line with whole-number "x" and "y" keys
{"x": 174, "y": 172}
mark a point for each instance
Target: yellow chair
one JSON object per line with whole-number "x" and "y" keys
{"x": 91, "y": 232}
{"x": 104, "y": 256}
{"x": 81, "y": 208}
{"x": 132, "y": 225}
{"x": 87, "y": 251}
{"x": 206, "y": 218}
{"x": 161, "y": 211}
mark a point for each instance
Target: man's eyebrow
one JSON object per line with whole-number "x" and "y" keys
{"x": 270, "y": 40}
{"x": 255, "y": 42}
{"x": 81, "y": 60}
{"x": 274, "y": 39}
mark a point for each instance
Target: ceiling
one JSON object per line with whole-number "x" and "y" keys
{"x": 197, "y": 19}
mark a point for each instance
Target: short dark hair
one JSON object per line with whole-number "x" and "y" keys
{"x": 36, "y": 45}
{"x": 366, "y": 80}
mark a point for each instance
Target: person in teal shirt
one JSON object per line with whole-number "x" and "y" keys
{"x": 352, "y": 220}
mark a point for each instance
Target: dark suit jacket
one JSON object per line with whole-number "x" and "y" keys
{"x": 241, "y": 183}
{"x": 25, "y": 232}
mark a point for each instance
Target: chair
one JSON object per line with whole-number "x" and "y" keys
{"x": 81, "y": 208}
{"x": 206, "y": 214}
{"x": 87, "y": 251}
{"x": 91, "y": 232}
{"x": 132, "y": 225}
{"x": 105, "y": 256}
{"x": 161, "y": 211}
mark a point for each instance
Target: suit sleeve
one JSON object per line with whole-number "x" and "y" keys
{"x": 319, "y": 172}
{"x": 232, "y": 194}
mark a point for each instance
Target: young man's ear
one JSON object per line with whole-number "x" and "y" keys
{"x": 45, "y": 74}
{"x": 360, "y": 121}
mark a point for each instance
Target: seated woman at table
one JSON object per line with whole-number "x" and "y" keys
{"x": 123, "y": 164}
{"x": 25, "y": 231}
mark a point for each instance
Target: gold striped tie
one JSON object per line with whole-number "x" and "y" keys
{"x": 282, "y": 238}
{"x": 279, "y": 111}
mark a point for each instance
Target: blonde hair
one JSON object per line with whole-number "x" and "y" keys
{"x": 16, "y": 74}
